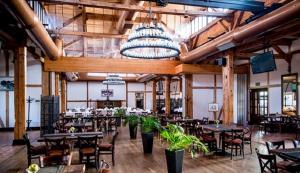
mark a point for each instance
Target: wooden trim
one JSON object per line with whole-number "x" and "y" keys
{"x": 206, "y": 87}
{"x": 34, "y": 85}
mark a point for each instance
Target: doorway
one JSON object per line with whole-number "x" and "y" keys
{"x": 258, "y": 104}
{"x": 139, "y": 100}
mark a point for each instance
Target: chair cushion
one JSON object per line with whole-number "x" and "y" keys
{"x": 236, "y": 141}
{"x": 88, "y": 150}
{"x": 284, "y": 164}
{"x": 55, "y": 153}
{"x": 105, "y": 146}
{"x": 38, "y": 150}
{"x": 209, "y": 139}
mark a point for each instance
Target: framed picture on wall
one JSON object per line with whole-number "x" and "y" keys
{"x": 213, "y": 107}
{"x": 7, "y": 84}
{"x": 107, "y": 93}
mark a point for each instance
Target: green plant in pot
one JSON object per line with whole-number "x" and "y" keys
{"x": 133, "y": 121}
{"x": 179, "y": 141}
{"x": 148, "y": 125}
{"x": 119, "y": 114}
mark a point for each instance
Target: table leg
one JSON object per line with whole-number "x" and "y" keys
{"x": 222, "y": 141}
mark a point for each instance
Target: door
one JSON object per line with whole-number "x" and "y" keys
{"x": 258, "y": 104}
{"x": 139, "y": 99}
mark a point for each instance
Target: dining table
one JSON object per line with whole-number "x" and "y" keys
{"x": 221, "y": 129}
{"x": 63, "y": 169}
{"x": 70, "y": 136}
{"x": 292, "y": 154}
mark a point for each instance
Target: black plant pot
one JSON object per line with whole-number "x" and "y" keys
{"x": 174, "y": 161}
{"x": 132, "y": 132}
{"x": 147, "y": 142}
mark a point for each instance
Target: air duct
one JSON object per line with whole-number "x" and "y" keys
{"x": 34, "y": 27}
{"x": 236, "y": 37}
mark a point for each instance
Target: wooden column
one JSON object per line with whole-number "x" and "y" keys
{"x": 63, "y": 95}
{"x": 228, "y": 77}
{"x": 154, "y": 93}
{"x": 45, "y": 83}
{"x": 168, "y": 95}
{"x": 56, "y": 91}
{"x": 20, "y": 70}
{"x": 189, "y": 95}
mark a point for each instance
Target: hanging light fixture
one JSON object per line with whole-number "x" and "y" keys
{"x": 150, "y": 41}
{"x": 113, "y": 80}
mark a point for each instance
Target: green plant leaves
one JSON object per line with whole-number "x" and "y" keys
{"x": 178, "y": 140}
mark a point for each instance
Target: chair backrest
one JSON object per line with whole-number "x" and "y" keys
{"x": 205, "y": 120}
{"x": 87, "y": 142}
{"x": 27, "y": 142}
{"x": 296, "y": 143}
{"x": 238, "y": 134}
{"x": 56, "y": 144}
{"x": 267, "y": 163}
{"x": 275, "y": 145}
{"x": 114, "y": 138}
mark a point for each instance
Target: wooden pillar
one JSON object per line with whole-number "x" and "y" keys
{"x": 45, "y": 83}
{"x": 154, "y": 93}
{"x": 189, "y": 95}
{"x": 20, "y": 70}
{"x": 63, "y": 95}
{"x": 56, "y": 84}
{"x": 168, "y": 95}
{"x": 228, "y": 77}
{"x": 215, "y": 94}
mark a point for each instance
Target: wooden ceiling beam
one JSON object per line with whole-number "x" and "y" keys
{"x": 109, "y": 65}
{"x": 90, "y": 34}
{"x": 116, "y": 6}
{"x": 137, "y": 66}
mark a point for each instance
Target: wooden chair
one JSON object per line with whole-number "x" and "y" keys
{"x": 267, "y": 163}
{"x": 275, "y": 145}
{"x": 33, "y": 152}
{"x": 88, "y": 149}
{"x": 57, "y": 150}
{"x": 208, "y": 138}
{"x": 108, "y": 148}
{"x": 235, "y": 141}
{"x": 284, "y": 165}
{"x": 248, "y": 137}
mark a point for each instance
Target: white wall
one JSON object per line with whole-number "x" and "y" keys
{"x": 203, "y": 94}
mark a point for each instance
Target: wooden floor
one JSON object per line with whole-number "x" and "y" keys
{"x": 130, "y": 157}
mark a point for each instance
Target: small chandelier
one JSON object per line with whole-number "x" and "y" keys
{"x": 113, "y": 80}
{"x": 150, "y": 41}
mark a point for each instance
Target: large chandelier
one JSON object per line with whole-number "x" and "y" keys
{"x": 150, "y": 41}
{"x": 113, "y": 80}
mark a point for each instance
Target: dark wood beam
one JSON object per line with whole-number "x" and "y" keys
{"x": 115, "y": 6}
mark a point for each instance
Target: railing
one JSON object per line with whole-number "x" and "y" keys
{"x": 41, "y": 13}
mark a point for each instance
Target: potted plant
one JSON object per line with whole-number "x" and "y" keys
{"x": 148, "y": 125}
{"x": 178, "y": 142}
{"x": 133, "y": 121}
{"x": 119, "y": 114}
